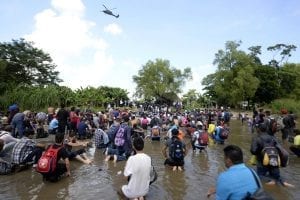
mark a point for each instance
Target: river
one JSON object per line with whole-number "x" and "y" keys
{"x": 101, "y": 180}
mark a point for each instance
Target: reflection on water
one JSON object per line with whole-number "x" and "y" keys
{"x": 100, "y": 180}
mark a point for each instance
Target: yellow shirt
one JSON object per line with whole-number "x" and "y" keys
{"x": 297, "y": 140}
{"x": 211, "y": 128}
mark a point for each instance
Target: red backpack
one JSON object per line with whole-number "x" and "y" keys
{"x": 47, "y": 162}
{"x": 203, "y": 138}
{"x": 224, "y": 132}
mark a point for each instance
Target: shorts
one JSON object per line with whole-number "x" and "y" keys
{"x": 171, "y": 162}
{"x": 73, "y": 154}
{"x": 57, "y": 174}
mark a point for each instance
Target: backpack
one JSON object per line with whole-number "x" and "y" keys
{"x": 99, "y": 138}
{"x": 283, "y": 154}
{"x": 203, "y": 138}
{"x": 176, "y": 150}
{"x": 112, "y": 132}
{"x": 224, "y": 132}
{"x": 41, "y": 133}
{"x": 120, "y": 136}
{"x": 272, "y": 129}
{"x": 271, "y": 156}
{"x": 47, "y": 162}
{"x": 155, "y": 131}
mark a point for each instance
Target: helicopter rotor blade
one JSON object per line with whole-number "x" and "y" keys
{"x": 104, "y": 6}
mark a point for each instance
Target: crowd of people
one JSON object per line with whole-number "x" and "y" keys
{"x": 120, "y": 134}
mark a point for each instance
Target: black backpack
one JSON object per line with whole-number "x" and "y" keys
{"x": 176, "y": 150}
{"x": 272, "y": 126}
{"x": 41, "y": 133}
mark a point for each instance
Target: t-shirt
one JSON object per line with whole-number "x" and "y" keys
{"x": 138, "y": 167}
{"x": 82, "y": 127}
{"x": 53, "y": 124}
{"x": 235, "y": 182}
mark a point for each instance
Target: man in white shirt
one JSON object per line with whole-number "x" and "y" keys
{"x": 137, "y": 170}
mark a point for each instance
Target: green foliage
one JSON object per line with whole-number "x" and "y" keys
{"x": 39, "y": 97}
{"x": 289, "y": 104}
{"x": 193, "y": 100}
{"x": 242, "y": 77}
{"x": 160, "y": 81}
{"x": 290, "y": 80}
{"x": 101, "y": 96}
{"x": 284, "y": 51}
{"x": 22, "y": 63}
{"x": 268, "y": 88}
{"x": 234, "y": 80}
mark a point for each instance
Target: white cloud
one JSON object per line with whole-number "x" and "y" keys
{"x": 69, "y": 7}
{"x": 113, "y": 29}
{"x": 64, "y": 33}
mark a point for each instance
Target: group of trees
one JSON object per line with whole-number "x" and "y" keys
{"x": 241, "y": 76}
{"x": 28, "y": 77}
{"x": 159, "y": 82}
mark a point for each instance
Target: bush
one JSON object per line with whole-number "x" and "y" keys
{"x": 289, "y": 104}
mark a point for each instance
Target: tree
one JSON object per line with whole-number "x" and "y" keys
{"x": 254, "y": 52}
{"x": 234, "y": 80}
{"x": 194, "y": 100}
{"x": 22, "y": 63}
{"x": 289, "y": 76}
{"x": 160, "y": 81}
{"x": 285, "y": 52}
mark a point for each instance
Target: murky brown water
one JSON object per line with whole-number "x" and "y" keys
{"x": 87, "y": 182}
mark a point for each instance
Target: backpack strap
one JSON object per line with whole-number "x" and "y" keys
{"x": 258, "y": 183}
{"x": 154, "y": 174}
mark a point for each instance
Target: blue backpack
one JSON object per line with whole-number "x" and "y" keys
{"x": 176, "y": 150}
{"x": 120, "y": 136}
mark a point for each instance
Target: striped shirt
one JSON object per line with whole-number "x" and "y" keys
{"x": 21, "y": 150}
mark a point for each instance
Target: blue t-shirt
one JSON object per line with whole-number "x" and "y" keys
{"x": 234, "y": 183}
{"x": 53, "y": 124}
{"x": 82, "y": 128}
{"x": 217, "y": 134}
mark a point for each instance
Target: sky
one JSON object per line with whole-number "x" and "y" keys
{"x": 91, "y": 48}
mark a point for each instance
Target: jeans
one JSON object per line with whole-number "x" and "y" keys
{"x": 119, "y": 151}
{"x": 268, "y": 173}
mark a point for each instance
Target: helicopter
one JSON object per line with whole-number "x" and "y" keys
{"x": 109, "y": 12}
